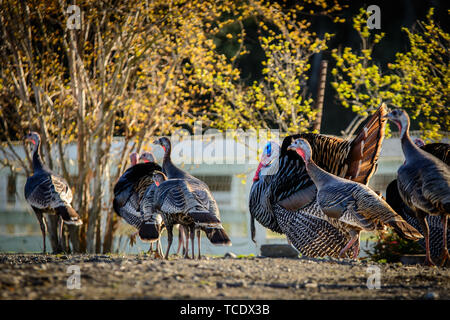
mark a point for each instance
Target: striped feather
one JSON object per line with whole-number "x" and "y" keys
{"x": 312, "y": 233}
{"x": 186, "y": 200}
{"x": 45, "y": 190}
{"x": 129, "y": 190}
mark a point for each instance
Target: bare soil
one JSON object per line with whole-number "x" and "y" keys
{"x": 38, "y": 276}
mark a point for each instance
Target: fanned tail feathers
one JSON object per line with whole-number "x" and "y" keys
{"x": 404, "y": 229}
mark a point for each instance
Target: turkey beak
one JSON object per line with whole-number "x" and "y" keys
{"x": 390, "y": 117}
{"x": 292, "y": 147}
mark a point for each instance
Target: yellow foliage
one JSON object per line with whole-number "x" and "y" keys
{"x": 418, "y": 80}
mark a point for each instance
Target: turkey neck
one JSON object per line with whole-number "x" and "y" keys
{"x": 410, "y": 150}
{"x": 168, "y": 166}
{"x": 37, "y": 160}
{"x": 319, "y": 176}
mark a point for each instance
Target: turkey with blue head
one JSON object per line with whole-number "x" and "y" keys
{"x": 284, "y": 200}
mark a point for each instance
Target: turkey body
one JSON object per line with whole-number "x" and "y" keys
{"x": 442, "y": 152}
{"x": 352, "y": 203}
{"x": 129, "y": 190}
{"x": 48, "y": 193}
{"x": 186, "y": 200}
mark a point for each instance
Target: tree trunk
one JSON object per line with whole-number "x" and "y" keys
{"x": 74, "y": 237}
{"x": 320, "y": 94}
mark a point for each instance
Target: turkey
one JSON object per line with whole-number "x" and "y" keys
{"x": 148, "y": 157}
{"x": 131, "y": 186}
{"x": 188, "y": 201}
{"x": 283, "y": 197}
{"x": 48, "y": 193}
{"x": 442, "y": 152}
{"x": 423, "y": 182}
{"x": 351, "y": 202}
{"x": 152, "y": 223}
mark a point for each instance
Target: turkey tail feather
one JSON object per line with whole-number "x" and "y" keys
{"x": 218, "y": 237}
{"x": 69, "y": 215}
{"x": 149, "y": 232}
{"x": 405, "y": 230}
{"x": 365, "y": 148}
{"x": 203, "y": 217}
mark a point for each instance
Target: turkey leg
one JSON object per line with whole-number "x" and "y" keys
{"x": 169, "y": 240}
{"x": 198, "y": 239}
{"x": 354, "y": 240}
{"x": 444, "y": 255}
{"x": 43, "y": 226}
{"x": 421, "y": 218}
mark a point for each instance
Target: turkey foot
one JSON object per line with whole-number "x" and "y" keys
{"x": 444, "y": 258}
{"x": 353, "y": 241}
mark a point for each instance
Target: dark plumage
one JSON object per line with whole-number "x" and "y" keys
{"x": 423, "y": 183}
{"x": 439, "y": 150}
{"x": 288, "y": 190}
{"x": 186, "y": 200}
{"x": 130, "y": 188}
{"x": 393, "y": 198}
{"x": 152, "y": 223}
{"x": 48, "y": 192}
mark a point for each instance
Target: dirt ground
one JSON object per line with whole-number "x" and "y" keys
{"x": 37, "y": 276}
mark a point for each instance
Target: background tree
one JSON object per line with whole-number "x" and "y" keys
{"x": 424, "y": 72}
{"x": 417, "y": 80}
{"x": 279, "y": 98}
{"x": 116, "y": 74}
{"x": 137, "y": 69}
